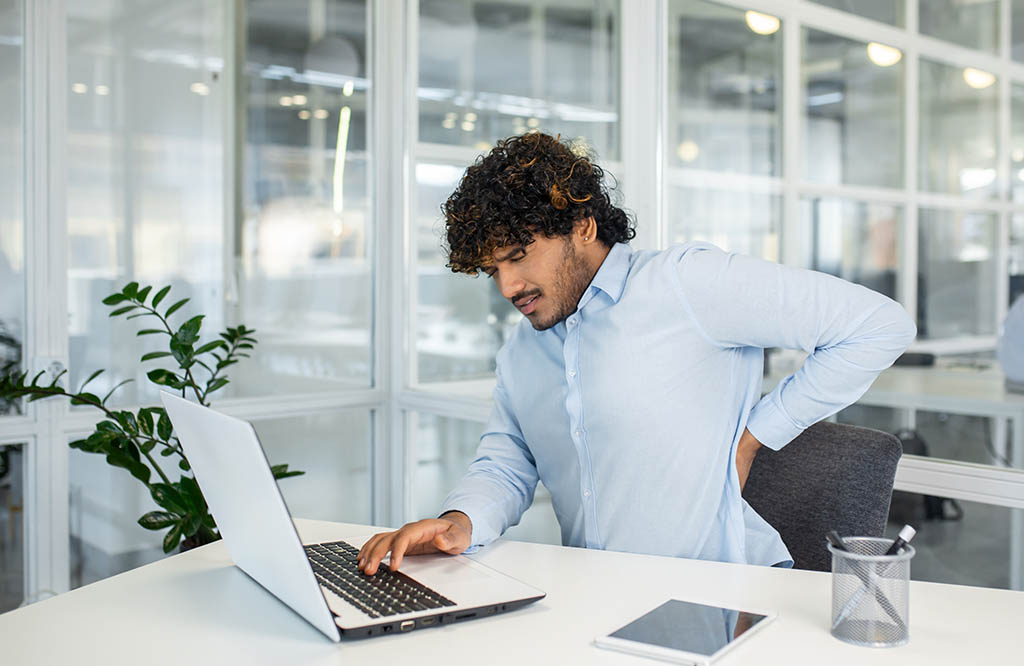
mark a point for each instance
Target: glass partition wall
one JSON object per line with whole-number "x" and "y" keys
{"x": 246, "y": 185}
{"x": 282, "y": 164}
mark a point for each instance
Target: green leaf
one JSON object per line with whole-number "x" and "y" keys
{"x": 173, "y": 538}
{"x": 121, "y": 311}
{"x": 131, "y": 289}
{"x": 216, "y": 385}
{"x": 192, "y": 524}
{"x": 143, "y": 294}
{"x": 108, "y": 426}
{"x": 85, "y": 399}
{"x": 164, "y": 429}
{"x": 182, "y": 351}
{"x": 151, "y": 331}
{"x": 91, "y": 377}
{"x": 157, "y": 520}
{"x": 174, "y": 308}
{"x": 193, "y": 496}
{"x": 140, "y": 471}
{"x": 165, "y": 377}
{"x": 210, "y": 346}
{"x": 111, "y": 391}
{"x": 114, "y": 299}
{"x": 245, "y": 345}
{"x": 167, "y": 452}
{"x": 140, "y": 314}
{"x": 146, "y": 423}
{"x": 184, "y": 466}
{"x": 167, "y": 496}
{"x": 281, "y": 472}
{"x": 160, "y": 296}
{"x": 127, "y": 420}
{"x": 151, "y": 355}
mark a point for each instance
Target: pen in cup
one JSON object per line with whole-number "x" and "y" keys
{"x": 904, "y": 537}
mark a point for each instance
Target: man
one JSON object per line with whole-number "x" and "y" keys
{"x": 633, "y": 387}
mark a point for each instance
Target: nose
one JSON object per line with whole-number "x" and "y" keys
{"x": 509, "y": 283}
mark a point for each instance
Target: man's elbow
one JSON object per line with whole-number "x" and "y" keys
{"x": 903, "y": 330}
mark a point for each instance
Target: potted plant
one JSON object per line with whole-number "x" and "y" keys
{"x": 135, "y": 440}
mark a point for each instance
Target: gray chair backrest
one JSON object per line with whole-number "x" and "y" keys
{"x": 831, "y": 477}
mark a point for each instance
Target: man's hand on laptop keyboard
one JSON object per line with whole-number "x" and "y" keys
{"x": 451, "y": 533}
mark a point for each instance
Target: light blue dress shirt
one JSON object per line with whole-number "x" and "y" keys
{"x": 630, "y": 410}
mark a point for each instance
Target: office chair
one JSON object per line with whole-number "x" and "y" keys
{"x": 830, "y": 477}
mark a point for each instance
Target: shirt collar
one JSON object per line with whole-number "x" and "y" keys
{"x": 611, "y": 277}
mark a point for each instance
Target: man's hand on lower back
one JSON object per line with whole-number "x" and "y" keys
{"x": 745, "y": 452}
{"x": 451, "y": 533}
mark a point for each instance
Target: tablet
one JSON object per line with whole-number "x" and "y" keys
{"x": 686, "y": 633}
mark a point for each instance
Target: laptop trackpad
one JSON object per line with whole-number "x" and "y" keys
{"x": 446, "y": 574}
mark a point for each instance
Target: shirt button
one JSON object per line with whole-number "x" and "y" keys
{"x": 572, "y": 321}
{"x": 572, "y": 373}
{"x": 586, "y": 493}
{"x": 577, "y": 433}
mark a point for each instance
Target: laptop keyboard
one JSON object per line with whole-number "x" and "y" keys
{"x": 384, "y": 593}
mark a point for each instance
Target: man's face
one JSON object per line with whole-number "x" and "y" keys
{"x": 544, "y": 280}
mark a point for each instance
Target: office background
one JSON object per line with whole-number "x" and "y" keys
{"x": 282, "y": 162}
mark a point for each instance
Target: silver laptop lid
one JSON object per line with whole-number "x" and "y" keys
{"x": 232, "y": 470}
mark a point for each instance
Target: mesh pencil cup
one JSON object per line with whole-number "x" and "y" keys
{"x": 871, "y": 593}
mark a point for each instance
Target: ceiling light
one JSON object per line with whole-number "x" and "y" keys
{"x": 448, "y": 123}
{"x": 762, "y": 24}
{"x": 320, "y": 114}
{"x": 199, "y": 88}
{"x": 79, "y": 88}
{"x": 882, "y": 55}
{"x": 298, "y": 99}
{"x": 978, "y": 79}
{"x": 102, "y": 90}
{"x": 349, "y": 87}
{"x": 467, "y": 126}
{"x": 285, "y": 101}
{"x": 470, "y": 116}
{"x": 305, "y": 114}
{"x": 1017, "y": 155}
{"x": 688, "y": 150}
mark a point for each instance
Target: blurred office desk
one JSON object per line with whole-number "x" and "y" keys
{"x": 967, "y": 390}
{"x": 197, "y": 608}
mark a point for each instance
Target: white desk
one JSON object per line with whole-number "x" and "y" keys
{"x": 197, "y": 608}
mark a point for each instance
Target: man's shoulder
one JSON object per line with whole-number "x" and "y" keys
{"x": 671, "y": 259}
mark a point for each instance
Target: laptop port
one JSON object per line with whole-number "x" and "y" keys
{"x": 464, "y": 616}
{"x": 427, "y": 621}
{"x": 408, "y": 625}
{"x": 387, "y": 628}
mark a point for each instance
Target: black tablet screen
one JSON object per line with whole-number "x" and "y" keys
{"x": 682, "y": 625}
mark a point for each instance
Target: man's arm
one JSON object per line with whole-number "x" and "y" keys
{"x": 491, "y": 497}
{"x": 850, "y": 332}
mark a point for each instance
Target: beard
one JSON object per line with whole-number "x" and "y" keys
{"x": 568, "y": 287}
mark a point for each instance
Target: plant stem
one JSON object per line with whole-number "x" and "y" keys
{"x": 57, "y": 391}
{"x": 188, "y": 373}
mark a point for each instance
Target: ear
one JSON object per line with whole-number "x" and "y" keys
{"x": 585, "y": 231}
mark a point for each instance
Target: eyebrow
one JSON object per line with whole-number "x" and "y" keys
{"x": 512, "y": 253}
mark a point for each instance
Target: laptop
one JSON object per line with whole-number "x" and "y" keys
{"x": 321, "y": 581}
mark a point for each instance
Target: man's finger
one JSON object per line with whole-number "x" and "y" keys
{"x": 377, "y": 553}
{"x": 366, "y": 552}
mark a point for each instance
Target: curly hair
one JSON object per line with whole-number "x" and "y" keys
{"x": 528, "y": 184}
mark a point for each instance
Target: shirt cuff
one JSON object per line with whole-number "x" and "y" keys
{"x": 770, "y": 423}
{"x": 479, "y": 534}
